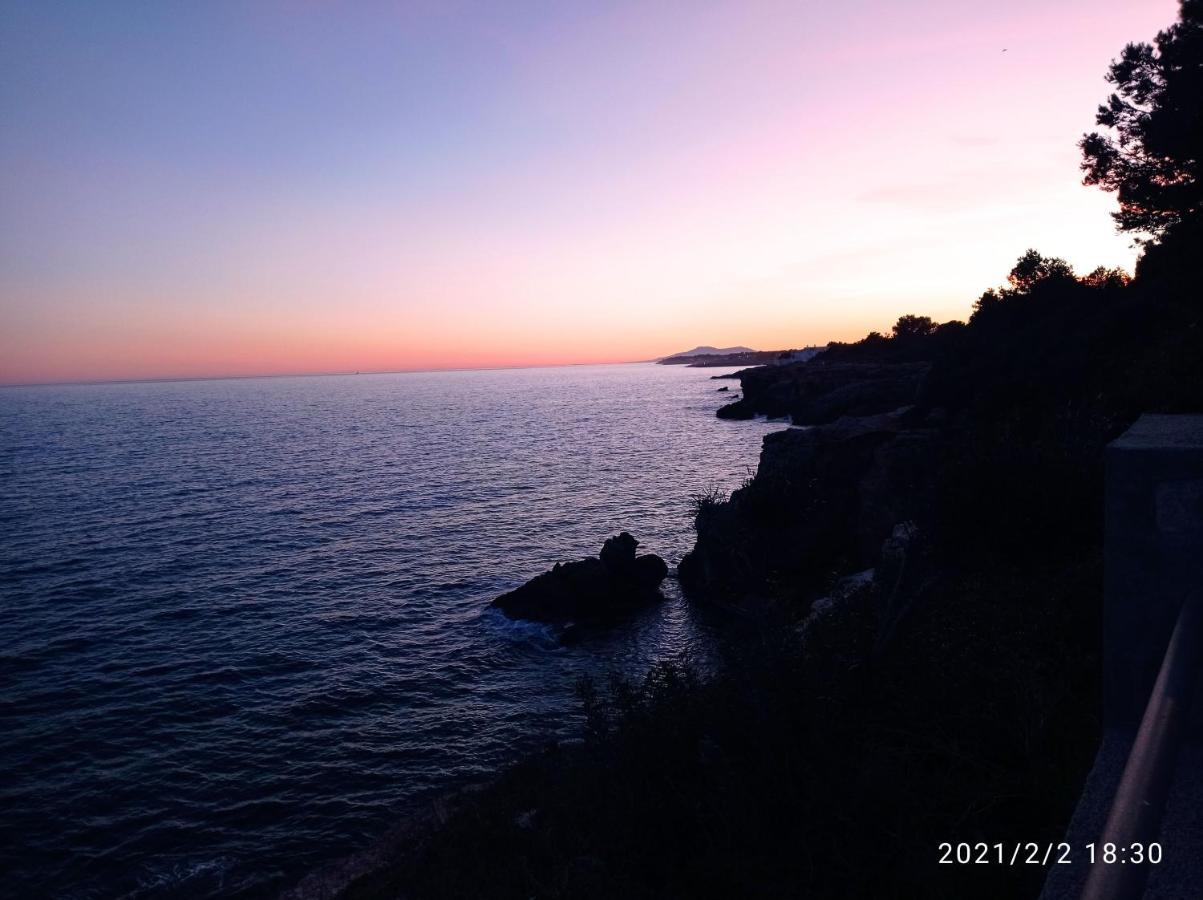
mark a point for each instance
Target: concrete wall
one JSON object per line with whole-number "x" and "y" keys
{"x": 1154, "y": 557}
{"x": 1154, "y": 554}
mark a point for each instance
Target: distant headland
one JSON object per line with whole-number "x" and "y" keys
{"x": 708, "y": 357}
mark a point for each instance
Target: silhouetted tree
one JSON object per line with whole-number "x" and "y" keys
{"x": 1048, "y": 275}
{"x": 1102, "y": 277}
{"x": 913, "y": 327}
{"x": 1032, "y": 270}
{"x": 989, "y": 299}
{"x": 1152, "y": 154}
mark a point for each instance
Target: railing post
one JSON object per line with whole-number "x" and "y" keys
{"x": 1139, "y": 802}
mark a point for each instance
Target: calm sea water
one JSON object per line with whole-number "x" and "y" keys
{"x": 243, "y": 623}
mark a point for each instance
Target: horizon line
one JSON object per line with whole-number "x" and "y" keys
{"x": 177, "y": 379}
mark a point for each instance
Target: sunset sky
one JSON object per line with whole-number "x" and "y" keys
{"x": 257, "y": 188}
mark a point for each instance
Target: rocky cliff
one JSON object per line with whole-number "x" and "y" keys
{"x": 823, "y": 502}
{"x": 817, "y": 392}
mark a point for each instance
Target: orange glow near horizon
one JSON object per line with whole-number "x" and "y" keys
{"x": 371, "y": 191}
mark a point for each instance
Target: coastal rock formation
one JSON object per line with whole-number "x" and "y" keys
{"x": 823, "y": 501}
{"x": 590, "y": 591}
{"x": 819, "y": 392}
{"x": 825, "y": 496}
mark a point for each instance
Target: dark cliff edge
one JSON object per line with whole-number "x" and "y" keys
{"x": 982, "y": 438}
{"x": 823, "y": 501}
{"x": 821, "y": 391}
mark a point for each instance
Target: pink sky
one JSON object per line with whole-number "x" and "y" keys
{"x": 303, "y": 189}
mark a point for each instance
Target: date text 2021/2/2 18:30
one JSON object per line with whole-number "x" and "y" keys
{"x": 1045, "y": 854}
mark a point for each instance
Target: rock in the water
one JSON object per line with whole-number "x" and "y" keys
{"x": 739, "y": 410}
{"x": 618, "y": 553}
{"x": 594, "y": 590}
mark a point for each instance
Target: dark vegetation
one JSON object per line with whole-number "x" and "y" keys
{"x": 952, "y": 697}
{"x": 1150, "y": 153}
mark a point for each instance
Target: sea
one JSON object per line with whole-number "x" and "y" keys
{"x": 245, "y": 623}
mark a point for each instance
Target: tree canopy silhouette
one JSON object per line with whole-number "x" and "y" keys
{"x": 1106, "y": 278}
{"x": 913, "y": 326}
{"x": 1032, "y": 269}
{"x": 1046, "y": 276}
{"x": 1151, "y": 154}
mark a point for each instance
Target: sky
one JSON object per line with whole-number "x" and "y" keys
{"x": 210, "y": 189}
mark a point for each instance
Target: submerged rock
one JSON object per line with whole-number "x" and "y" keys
{"x": 595, "y": 590}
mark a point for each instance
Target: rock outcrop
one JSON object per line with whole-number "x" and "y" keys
{"x": 823, "y": 501}
{"x": 818, "y": 392}
{"x": 590, "y": 591}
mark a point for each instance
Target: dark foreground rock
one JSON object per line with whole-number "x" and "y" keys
{"x": 590, "y": 591}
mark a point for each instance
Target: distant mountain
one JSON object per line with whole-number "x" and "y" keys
{"x": 711, "y": 351}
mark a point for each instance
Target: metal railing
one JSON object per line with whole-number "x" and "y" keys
{"x": 1136, "y": 811}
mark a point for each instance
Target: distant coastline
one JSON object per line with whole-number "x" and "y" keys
{"x": 739, "y": 357}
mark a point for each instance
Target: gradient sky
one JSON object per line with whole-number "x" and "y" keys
{"x": 254, "y": 188}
